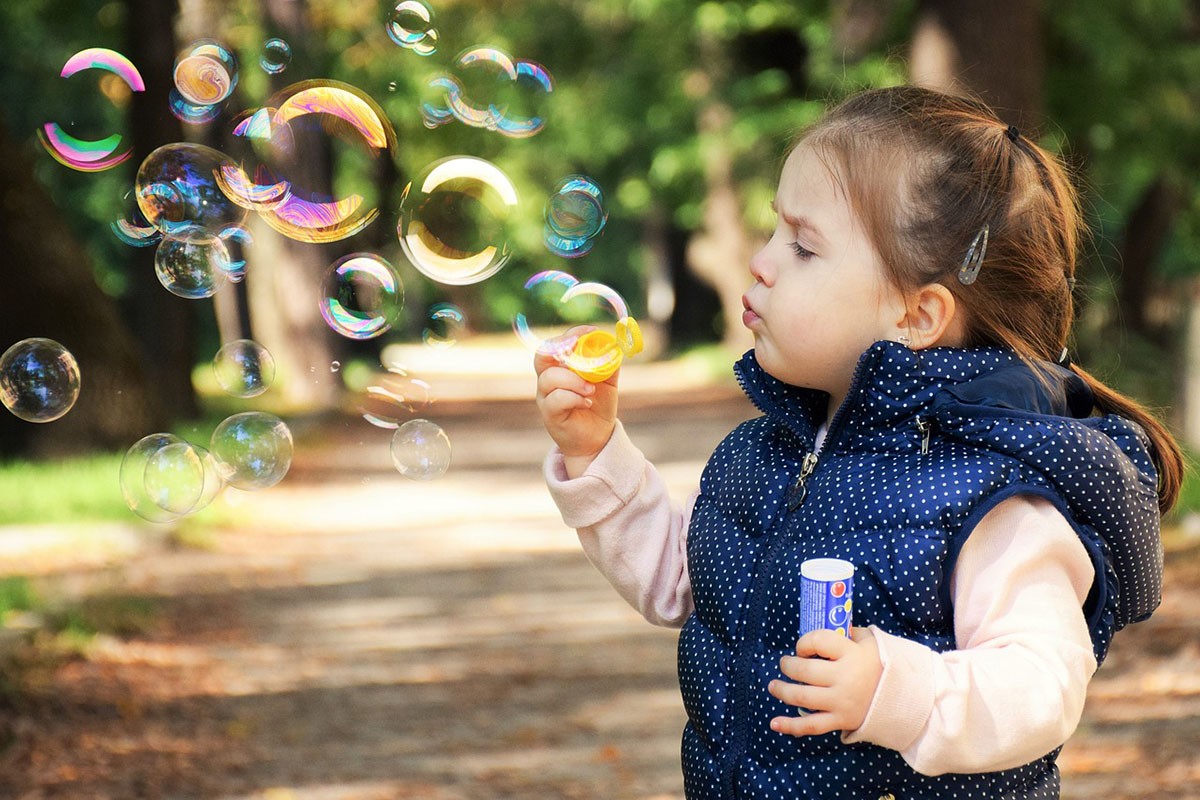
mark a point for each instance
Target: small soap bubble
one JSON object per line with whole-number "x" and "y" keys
{"x": 574, "y": 215}
{"x": 39, "y": 380}
{"x": 392, "y": 86}
{"x": 421, "y": 450}
{"x": 454, "y": 220}
{"x": 393, "y": 397}
{"x": 444, "y": 324}
{"x": 191, "y": 270}
{"x": 362, "y": 296}
{"x": 276, "y": 56}
{"x": 236, "y": 239}
{"x": 178, "y": 193}
{"x": 132, "y": 477}
{"x": 189, "y": 112}
{"x": 253, "y": 450}
{"x": 244, "y": 368}
{"x": 132, "y": 228}
{"x": 410, "y": 25}
{"x": 335, "y": 366}
{"x": 174, "y": 477}
{"x": 205, "y": 73}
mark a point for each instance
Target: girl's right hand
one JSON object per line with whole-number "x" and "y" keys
{"x": 579, "y": 416}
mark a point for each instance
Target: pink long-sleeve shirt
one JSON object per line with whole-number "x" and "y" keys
{"x": 1012, "y": 691}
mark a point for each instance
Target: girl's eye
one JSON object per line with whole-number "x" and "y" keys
{"x": 801, "y": 251}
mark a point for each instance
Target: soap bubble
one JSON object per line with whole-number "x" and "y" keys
{"x": 236, "y": 239}
{"x": 421, "y": 450}
{"x": 206, "y": 73}
{"x": 393, "y": 397}
{"x": 489, "y": 89}
{"x": 575, "y": 215}
{"x": 133, "y": 477}
{"x": 39, "y": 380}
{"x": 189, "y": 112}
{"x": 454, "y": 219}
{"x": 444, "y": 323}
{"x": 91, "y": 155}
{"x": 561, "y": 301}
{"x": 174, "y": 477}
{"x": 178, "y": 192}
{"x": 132, "y": 228}
{"x": 276, "y": 56}
{"x": 191, "y": 270}
{"x": 410, "y": 25}
{"x": 326, "y": 110}
{"x": 532, "y": 83}
{"x": 362, "y": 296}
{"x": 253, "y": 450}
{"x": 244, "y": 368}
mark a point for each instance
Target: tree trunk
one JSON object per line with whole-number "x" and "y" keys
{"x": 993, "y": 50}
{"x": 1146, "y": 233}
{"x": 164, "y": 325}
{"x": 50, "y": 292}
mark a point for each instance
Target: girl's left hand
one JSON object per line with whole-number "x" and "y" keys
{"x": 836, "y": 678}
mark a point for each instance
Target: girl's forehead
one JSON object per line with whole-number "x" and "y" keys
{"x": 809, "y": 182}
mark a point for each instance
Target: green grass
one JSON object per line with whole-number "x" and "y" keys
{"x": 16, "y": 594}
{"x": 67, "y": 490}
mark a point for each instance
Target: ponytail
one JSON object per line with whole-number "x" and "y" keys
{"x": 1164, "y": 451}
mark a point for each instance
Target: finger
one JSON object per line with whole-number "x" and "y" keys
{"x": 814, "y": 671}
{"x": 561, "y": 403}
{"x": 823, "y": 644}
{"x": 562, "y": 378}
{"x": 804, "y": 725}
{"x": 810, "y": 698}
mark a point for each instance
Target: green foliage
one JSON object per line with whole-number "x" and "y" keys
{"x": 62, "y": 491}
{"x": 16, "y": 594}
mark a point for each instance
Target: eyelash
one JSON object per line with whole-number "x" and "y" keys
{"x": 801, "y": 251}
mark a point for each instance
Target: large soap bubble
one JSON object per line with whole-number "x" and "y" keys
{"x": 39, "y": 380}
{"x": 178, "y": 193}
{"x": 362, "y": 296}
{"x": 244, "y": 368}
{"x": 421, "y": 450}
{"x": 91, "y": 155}
{"x": 454, "y": 220}
{"x": 253, "y": 450}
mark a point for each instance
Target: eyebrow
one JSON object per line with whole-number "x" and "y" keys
{"x": 799, "y": 223}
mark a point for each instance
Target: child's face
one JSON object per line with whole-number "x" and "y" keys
{"x": 820, "y": 296}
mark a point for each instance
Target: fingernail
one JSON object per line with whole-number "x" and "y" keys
{"x": 587, "y": 401}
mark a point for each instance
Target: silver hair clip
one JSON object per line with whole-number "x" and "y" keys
{"x": 969, "y": 270}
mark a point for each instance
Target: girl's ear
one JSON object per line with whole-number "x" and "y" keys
{"x": 932, "y": 318}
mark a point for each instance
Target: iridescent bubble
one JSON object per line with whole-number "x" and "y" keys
{"x": 189, "y": 269}
{"x": 253, "y": 450}
{"x": 393, "y": 397}
{"x": 326, "y": 109}
{"x": 444, "y": 323}
{"x": 454, "y": 220}
{"x": 410, "y": 25}
{"x": 574, "y": 216}
{"x": 178, "y": 192}
{"x": 236, "y": 239}
{"x": 206, "y": 73}
{"x": 276, "y": 56}
{"x": 244, "y": 368}
{"x": 132, "y": 228}
{"x": 39, "y": 380}
{"x": 133, "y": 477}
{"x": 174, "y": 477}
{"x": 490, "y": 89}
{"x": 191, "y": 113}
{"x": 362, "y": 296}
{"x": 335, "y": 366}
{"x": 560, "y": 301}
{"x": 421, "y": 450}
{"x": 532, "y": 83}
{"x": 87, "y": 155}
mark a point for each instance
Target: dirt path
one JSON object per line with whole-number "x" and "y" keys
{"x": 360, "y": 636}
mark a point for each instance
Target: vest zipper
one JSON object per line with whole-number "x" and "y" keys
{"x": 926, "y": 429}
{"x": 799, "y": 490}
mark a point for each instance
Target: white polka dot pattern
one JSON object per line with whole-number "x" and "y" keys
{"x": 899, "y": 508}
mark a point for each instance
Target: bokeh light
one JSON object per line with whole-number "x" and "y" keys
{"x": 420, "y": 450}
{"x": 39, "y": 380}
{"x": 454, "y": 220}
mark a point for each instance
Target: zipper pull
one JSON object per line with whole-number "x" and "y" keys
{"x": 799, "y": 490}
{"x": 926, "y": 429}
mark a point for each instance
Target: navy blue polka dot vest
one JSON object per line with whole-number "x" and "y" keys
{"x": 923, "y": 446}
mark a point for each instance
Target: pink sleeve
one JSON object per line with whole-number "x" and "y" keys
{"x": 628, "y": 527}
{"x": 1014, "y": 690}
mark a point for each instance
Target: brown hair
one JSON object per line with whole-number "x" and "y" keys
{"x": 958, "y": 168}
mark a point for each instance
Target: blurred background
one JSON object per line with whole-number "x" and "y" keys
{"x": 680, "y": 113}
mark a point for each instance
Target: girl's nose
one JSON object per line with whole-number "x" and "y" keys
{"x": 760, "y": 266}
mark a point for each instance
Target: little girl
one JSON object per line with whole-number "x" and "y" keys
{"x": 921, "y": 419}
